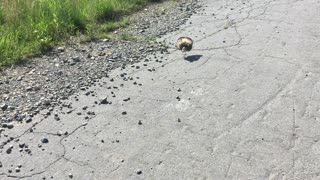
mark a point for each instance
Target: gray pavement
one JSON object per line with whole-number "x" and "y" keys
{"x": 244, "y": 105}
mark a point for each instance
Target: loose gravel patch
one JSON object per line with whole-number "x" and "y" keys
{"x": 42, "y": 83}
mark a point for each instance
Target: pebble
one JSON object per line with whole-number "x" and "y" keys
{"x": 56, "y": 118}
{"x": 59, "y": 133}
{"x": 124, "y": 113}
{"x": 140, "y": 123}
{"x": 28, "y": 119}
{"x": 128, "y": 99}
{"x": 104, "y": 100}
{"x": 11, "y": 108}
{"x": 10, "y": 125}
{"x": 61, "y": 49}
{"x": 70, "y": 175}
{"x": 76, "y": 59}
{"x": 139, "y": 172}
{"x": 29, "y": 88}
{"x": 44, "y": 140}
{"x": 9, "y": 150}
{"x": 22, "y": 145}
{"x": 3, "y": 107}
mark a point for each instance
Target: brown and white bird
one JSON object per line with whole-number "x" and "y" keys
{"x": 184, "y": 44}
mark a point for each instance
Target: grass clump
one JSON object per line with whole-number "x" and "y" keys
{"x": 114, "y": 25}
{"x": 128, "y": 37}
{"x": 30, "y": 27}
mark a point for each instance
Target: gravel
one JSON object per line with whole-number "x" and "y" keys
{"x": 42, "y": 83}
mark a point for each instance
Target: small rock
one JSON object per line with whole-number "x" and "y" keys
{"x": 61, "y": 49}
{"x": 29, "y": 88}
{"x": 9, "y": 150}
{"x": 128, "y": 99}
{"x": 46, "y": 102}
{"x": 57, "y": 118}
{"x": 70, "y": 175}
{"x": 140, "y": 123}
{"x": 19, "y": 78}
{"x": 124, "y": 113}
{"x": 76, "y": 59}
{"x": 11, "y": 108}
{"x": 59, "y": 133}
{"x": 22, "y": 145}
{"x": 28, "y": 119}
{"x": 44, "y": 140}
{"x": 3, "y": 107}
{"x": 139, "y": 171}
{"x": 104, "y": 100}
{"x": 10, "y": 126}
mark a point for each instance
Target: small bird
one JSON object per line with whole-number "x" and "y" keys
{"x": 184, "y": 44}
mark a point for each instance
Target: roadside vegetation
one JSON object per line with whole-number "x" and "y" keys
{"x": 31, "y": 27}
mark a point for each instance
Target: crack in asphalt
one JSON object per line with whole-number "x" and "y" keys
{"x": 52, "y": 163}
{"x": 260, "y": 107}
{"x": 294, "y": 136}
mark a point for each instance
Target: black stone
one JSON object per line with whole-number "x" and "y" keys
{"x": 44, "y": 140}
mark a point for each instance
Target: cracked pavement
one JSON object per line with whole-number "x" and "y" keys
{"x": 244, "y": 105}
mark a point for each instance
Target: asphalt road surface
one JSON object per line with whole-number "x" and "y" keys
{"x": 244, "y": 104}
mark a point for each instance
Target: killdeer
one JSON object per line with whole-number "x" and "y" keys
{"x": 184, "y": 44}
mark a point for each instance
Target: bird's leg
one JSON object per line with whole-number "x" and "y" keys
{"x": 184, "y": 52}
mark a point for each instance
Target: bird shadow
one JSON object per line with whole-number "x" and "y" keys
{"x": 192, "y": 58}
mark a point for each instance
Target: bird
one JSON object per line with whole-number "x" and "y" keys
{"x": 184, "y": 44}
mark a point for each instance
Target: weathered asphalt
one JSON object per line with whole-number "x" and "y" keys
{"x": 244, "y": 105}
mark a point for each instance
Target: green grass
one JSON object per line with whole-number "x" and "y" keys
{"x": 110, "y": 26}
{"x": 128, "y": 37}
{"x": 31, "y": 27}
